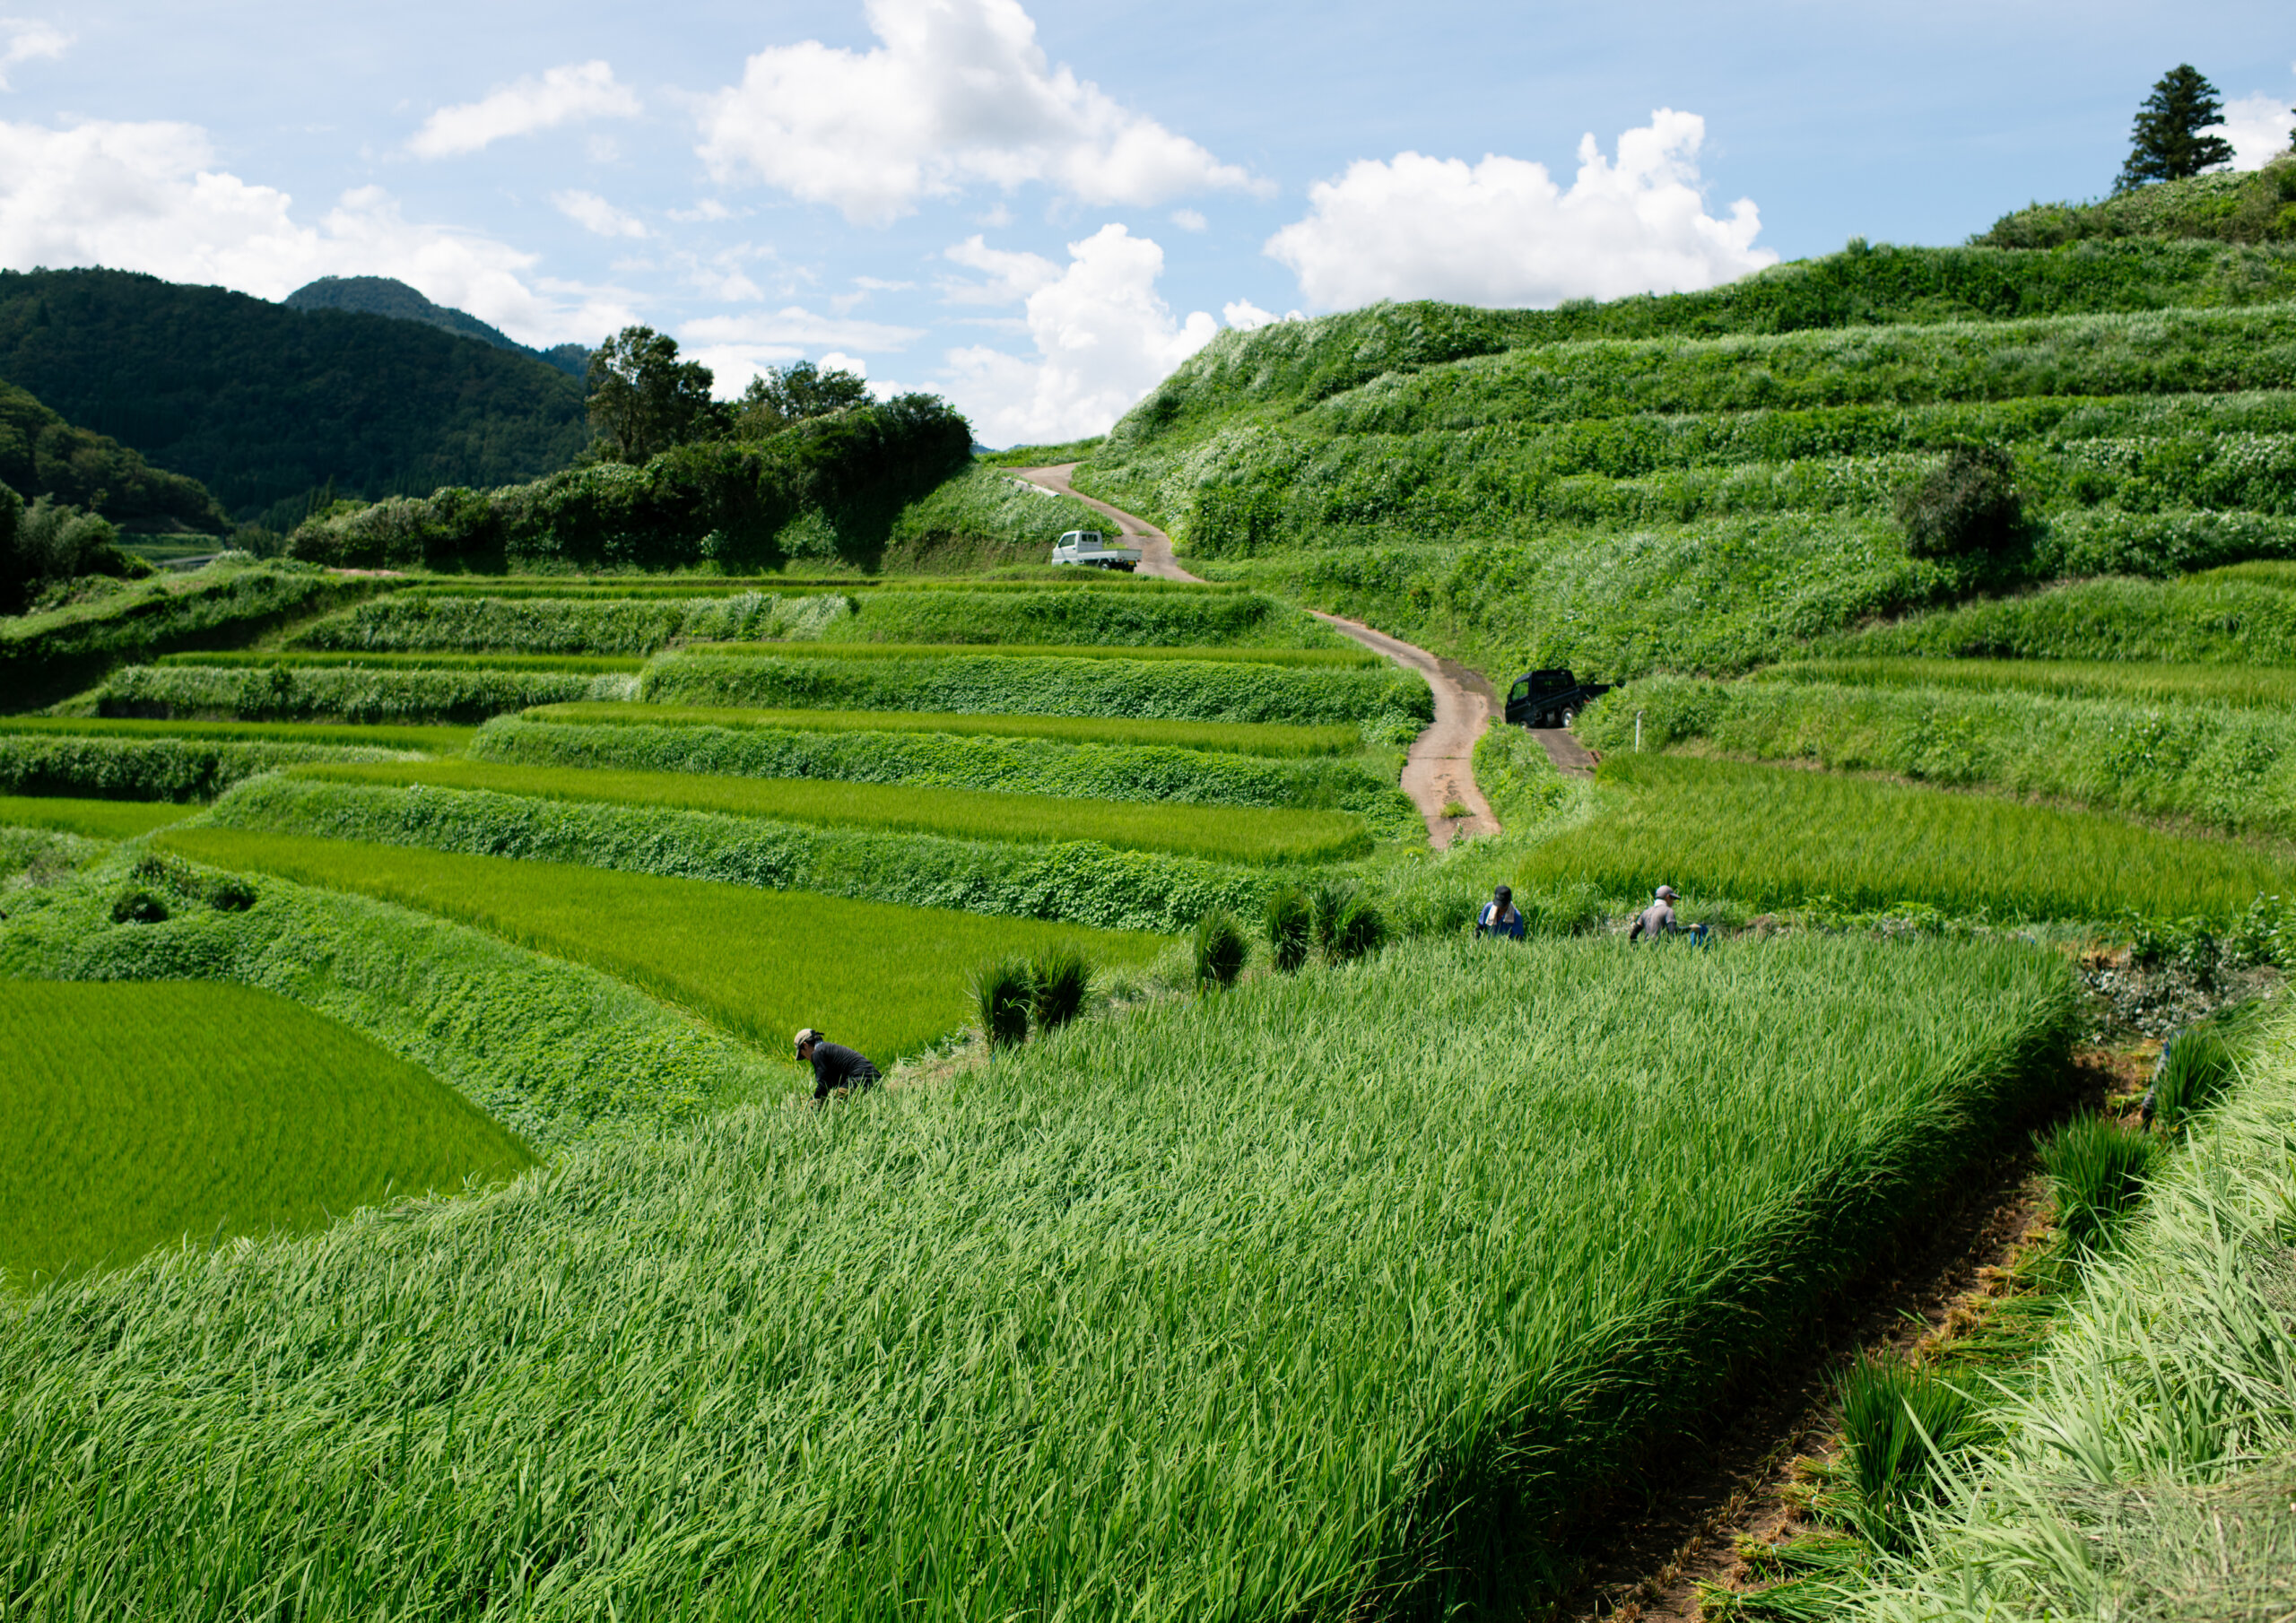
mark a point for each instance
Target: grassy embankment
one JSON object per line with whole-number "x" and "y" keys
{"x": 1242, "y": 738}
{"x": 139, "y": 1114}
{"x": 1241, "y": 1307}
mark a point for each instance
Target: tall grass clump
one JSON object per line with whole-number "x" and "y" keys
{"x": 1235, "y": 1308}
{"x": 1219, "y": 949}
{"x": 1001, "y": 993}
{"x": 1059, "y": 981}
{"x": 1290, "y": 928}
{"x": 1899, "y": 1422}
{"x": 2199, "y": 1064}
{"x": 2097, "y": 1169}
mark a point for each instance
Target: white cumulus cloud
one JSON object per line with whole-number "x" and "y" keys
{"x": 1503, "y": 232}
{"x": 23, "y": 39}
{"x": 957, "y": 92}
{"x": 1104, "y": 337}
{"x": 1011, "y": 276}
{"x": 562, "y": 95}
{"x": 738, "y": 348}
{"x": 2258, "y": 128}
{"x": 594, "y": 214}
{"x": 148, "y": 196}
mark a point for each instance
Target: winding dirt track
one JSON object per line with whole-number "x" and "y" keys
{"x": 1440, "y": 770}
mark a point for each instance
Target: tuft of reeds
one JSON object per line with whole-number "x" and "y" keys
{"x": 1001, "y": 993}
{"x": 2097, "y": 1171}
{"x": 1219, "y": 949}
{"x": 1360, "y": 928}
{"x": 1898, "y": 1422}
{"x": 1059, "y": 981}
{"x": 1290, "y": 927}
{"x": 2197, "y": 1067}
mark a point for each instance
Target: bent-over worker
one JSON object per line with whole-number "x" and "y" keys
{"x": 1499, "y": 916}
{"x": 836, "y": 1067}
{"x": 1658, "y": 918}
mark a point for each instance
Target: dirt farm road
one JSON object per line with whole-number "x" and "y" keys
{"x": 1440, "y": 770}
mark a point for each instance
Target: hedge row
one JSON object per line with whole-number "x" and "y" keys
{"x": 2233, "y": 768}
{"x": 560, "y": 625}
{"x": 1080, "y": 883}
{"x": 1190, "y": 690}
{"x": 1106, "y": 619}
{"x": 1029, "y": 766}
{"x": 153, "y": 768}
{"x": 554, "y": 1051}
{"x": 345, "y": 692}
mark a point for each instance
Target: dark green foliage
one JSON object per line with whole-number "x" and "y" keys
{"x": 1219, "y": 949}
{"x": 1164, "y": 689}
{"x": 1290, "y": 927}
{"x": 1001, "y": 993}
{"x": 228, "y": 893}
{"x": 1899, "y": 1422}
{"x": 260, "y": 403}
{"x": 1059, "y": 981}
{"x": 790, "y": 394}
{"x": 385, "y": 296}
{"x": 1968, "y": 504}
{"x": 2169, "y": 140}
{"x": 41, "y": 455}
{"x": 1329, "y": 897}
{"x": 45, "y": 548}
{"x": 824, "y": 489}
{"x": 2097, "y": 1172}
{"x": 1358, "y": 928}
{"x": 138, "y": 904}
{"x": 642, "y": 399}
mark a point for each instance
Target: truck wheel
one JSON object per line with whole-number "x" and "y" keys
{"x": 1569, "y": 717}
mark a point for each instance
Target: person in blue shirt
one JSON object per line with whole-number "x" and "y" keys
{"x": 1499, "y": 916}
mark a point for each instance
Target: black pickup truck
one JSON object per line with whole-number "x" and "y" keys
{"x": 1549, "y": 699}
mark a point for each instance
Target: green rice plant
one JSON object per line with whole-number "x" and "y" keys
{"x": 97, "y": 818}
{"x": 364, "y": 692}
{"x": 556, "y": 1052}
{"x": 1220, "y": 950}
{"x": 1237, "y": 738}
{"x": 1002, "y": 991}
{"x": 1246, "y": 834}
{"x": 1297, "y": 1320}
{"x": 1899, "y": 1421}
{"x": 1076, "y": 881}
{"x": 1179, "y": 690}
{"x": 1771, "y": 838}
{"x": 1290, "y": 927}
{"x": 627, "y": 587}
{"x": 1358, "y": 928}
{"x": 756, "y": 964}
{"x": 429, "y": 741}
{"x": 289, "y": 659}
{"x": 1347, "y": 658}
{"x": 146, "y": 1113}
{"x": 154, "y": 769}
{"x": 1224, "y": 619}
{"x": 1059, "y": 981}
{"x": 2244, "y": 687}
{"x": 2231, "y": 766}
{"x": 2097, "y": 1170}
{"x": 584, "y": 625}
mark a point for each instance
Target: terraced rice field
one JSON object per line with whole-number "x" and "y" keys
{"x": 99, "y": 819}
{"x": 1241, "y": 738}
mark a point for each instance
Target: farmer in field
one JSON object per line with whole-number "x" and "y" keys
{"x": 836, "y": 1067}
{"x": 1499, "y": 916}
{"x": 1658, "y": 918}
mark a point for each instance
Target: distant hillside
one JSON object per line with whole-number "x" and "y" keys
{"x": 266, "y": 405}
{"x": 383, "y": 295}
{"x": 41, "y": 455}
{"x": 2255, "y": 205}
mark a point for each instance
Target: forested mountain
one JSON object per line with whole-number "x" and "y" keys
{"x": 41, "y": 455}
{"x": 385, "y": 296}
{"x": 264, "y": 405}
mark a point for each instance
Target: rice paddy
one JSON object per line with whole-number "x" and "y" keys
{"x": 133, "y": 1116}
{"x": 435, "y": 741}
{"x": 1337, "y": 659}
{"x": 1776, "y": 836}
{"x": 1243, "y": 834}
{"x": 97, "y": 819}
{"x": 1239, "y": 738}
{"x": 758, "y": 964}
{"x": 571, "y": 663}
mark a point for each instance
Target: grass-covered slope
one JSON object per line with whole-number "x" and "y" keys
{"x": 136, "y": 1116}
{"x": 1241, "y": 1308}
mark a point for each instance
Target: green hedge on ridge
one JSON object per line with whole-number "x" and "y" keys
{"x": 154, "y": 769}
{"x": 345, "y": 692}
{"x": 561, "y": 625}
{"x": 1106, "y": 619}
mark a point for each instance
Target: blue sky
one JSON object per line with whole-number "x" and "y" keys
{"x": 1039, "y": 210}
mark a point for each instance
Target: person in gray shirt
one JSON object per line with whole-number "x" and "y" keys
{"x": 1658, "y": 918}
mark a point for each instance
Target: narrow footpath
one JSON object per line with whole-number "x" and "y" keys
{"x": 1439, "y": 772}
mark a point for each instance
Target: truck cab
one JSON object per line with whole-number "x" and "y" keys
{"x": 1091, "y": 550}
{"x": 1549, "y": 699}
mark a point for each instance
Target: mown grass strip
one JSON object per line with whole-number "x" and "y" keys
{"x": 574, "y": 663}
{"x": 1774, "y": 836}
{"x": 2250, "y": 686}
{"x": 1237, "y": 738}
{"x": 99, "y": 819}
{"x": 759, "y": 964}
{"x": 435, "y": 741}
{"x": 1243, "y": 833}
{"x": 1340, "y": 659}
{"x": 139, "y": 1114}
{"x": 1326, "y": 1297}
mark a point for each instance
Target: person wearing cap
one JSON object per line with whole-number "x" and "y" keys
{"x": 1499, "y": 916}
{"x": 836, "y": 1067}
{"x": 1658, "y": 918}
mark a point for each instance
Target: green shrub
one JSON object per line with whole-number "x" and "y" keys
{"x": 151, "y": 769}
{"x": 1899, "y": 1422}
{"x": 1001, "y": 992}
{"x": 1220, "y": 950}
{"x": 1290, "y": 927}
{"x": 1059, "y": 981}
{"x": 230, "y": 894}
{"x": 2097, "y": 1170}
{"x": 138, "y": 904}
{"x": 1967, "y": 504}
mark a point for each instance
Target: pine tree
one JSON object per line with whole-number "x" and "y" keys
{"x": 2167, "y": 142}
